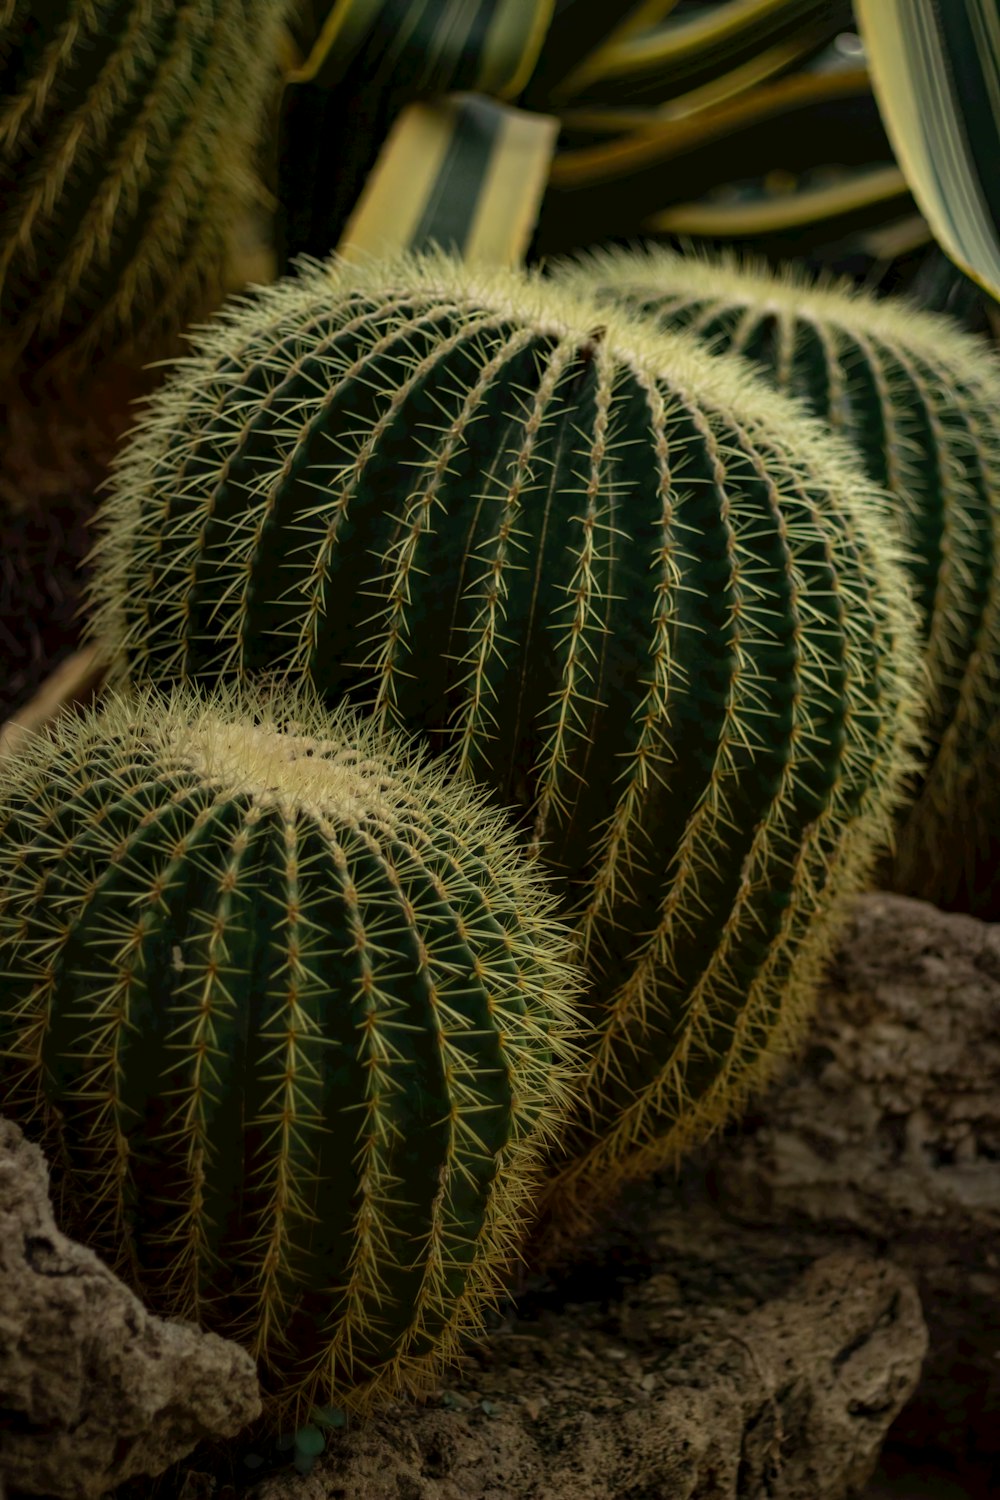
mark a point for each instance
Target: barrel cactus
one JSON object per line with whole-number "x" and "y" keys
{"x": 290, "y": 1010}
{"x": 624, "y": 585}
{"x": 127, "y": 135}
{"x": 920, "y": 400}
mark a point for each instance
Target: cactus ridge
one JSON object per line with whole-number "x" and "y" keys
{"x": 127, "y": 133}
{"x": 919, "y": 398}
{"x": 625, "y": 585}
{"x": 297, "y": 1013}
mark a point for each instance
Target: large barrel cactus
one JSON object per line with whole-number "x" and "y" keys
{"x": 127, "y": 133}
{"x": 291, "y": 1014}
{"x": 625, "y": 585}
{"x": 919, "y": 398}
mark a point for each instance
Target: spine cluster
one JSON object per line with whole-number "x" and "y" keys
{"x": 127, "y": 135}
{"x": 621, "y": 583}
{"x": 293, "y": 1014}
{"x": 919, "y": 399}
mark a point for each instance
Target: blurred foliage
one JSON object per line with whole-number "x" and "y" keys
{"x": 936, "y": 75}
{"x": 749, "y": 123}
{"x": 735, "y": 119}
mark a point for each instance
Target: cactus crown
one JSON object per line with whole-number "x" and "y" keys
{"x": 638, "y": 594}
{"x": 919, "y": 398}
{"x": 127, "y": 135}
{"x": 296, "y": 1016}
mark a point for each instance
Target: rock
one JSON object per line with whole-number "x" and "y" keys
{"x": 93, "y": 1389}
{"x": 730, "y": 1367}
{"x": 886, "y": 1132}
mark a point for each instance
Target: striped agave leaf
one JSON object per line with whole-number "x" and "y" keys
{"x": 370, "y": 60}
{"x": 936, "y": 74}
{"x": 463, "y": 173}
{"x": 803, "y": 155}
{"x": 718, "y": 47}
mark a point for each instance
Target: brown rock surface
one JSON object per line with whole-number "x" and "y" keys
{"x": 93, "y": 1388}
{"x": 887, "y": 1132}
{"x": 734, "y": 1365}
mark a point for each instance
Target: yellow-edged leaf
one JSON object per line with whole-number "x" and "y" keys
{"x": 432, "y": 45}
{"x": 666, "y": 59}
{"x": 674, "y": 136}
{"x": 768, "y": 215}
{"x": 464, "y": 173}
{"x": 618, "y": 120}
{"x": 936, "y": 74}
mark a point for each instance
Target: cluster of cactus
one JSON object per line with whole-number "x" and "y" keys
{"x": 641, "y": 597}
{"x": 127, "y": 137}
{"x": 295, "y": 1008}
{"x": 292, "y": 1013}
{"x": 919, "y": 399}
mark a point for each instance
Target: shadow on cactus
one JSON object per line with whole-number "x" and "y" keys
{"x": 625, "y": 585}
{"x": 293, "y": 1017}
{"x": 127, "y": 141}
{"x": 919, "y": 398}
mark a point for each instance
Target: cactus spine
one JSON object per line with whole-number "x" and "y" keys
{"x": 628, "y": 587}
{"x": 295, "y": 1013}
{"x": 920, "y": 400}
{"x": 127, "y": 133}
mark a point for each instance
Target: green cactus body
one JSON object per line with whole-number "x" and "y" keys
{"x": 920, "y": 400}
{"x": 293, "y": 1014}
{"x": 127, "y": 134}
{"x": 626, "y": 586}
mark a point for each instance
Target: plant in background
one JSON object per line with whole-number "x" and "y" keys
{"x": 723, "y": 120}
{"x": 920, "y": 401}
{"x": 128, "y": 136}
{"x": 292, "y": 1014}
{"x": 934, "y": 73}
{"x": 624, "y": 584}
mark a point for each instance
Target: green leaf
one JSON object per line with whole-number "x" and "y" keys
{"x": 689, "y": 52}
{"x": 805, "y": 156}
{"x": 369, "y": 60}
{"x": 936, "y": 74}
{"x": 464, "y": 173}
{"x": 428, "y": 47}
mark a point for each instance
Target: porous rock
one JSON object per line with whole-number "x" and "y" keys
{"x": 94, "y": 1389}
{"x": 886, "y": 1133}
{"x": 730, "y": 1366}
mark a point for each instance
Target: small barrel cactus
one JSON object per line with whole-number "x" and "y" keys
{"x": 127, "y": 136}
{"x": 626, "y": 586}
{"x": 919, "y": 398}
{"x": 292, "y": 1014}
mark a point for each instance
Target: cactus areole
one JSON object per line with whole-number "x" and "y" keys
{"x": 621, "y": 583}
{"x": 290, "y": 1012}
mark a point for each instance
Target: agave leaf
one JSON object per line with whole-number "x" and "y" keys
{"x": 465, "y": 173}
{"x": 804, "y": 156}
{"x": 690, "y": 51}
{"x": 936, "y": 74}
{"x": 368, "y": 61}
{"x": 430, "y": 47}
